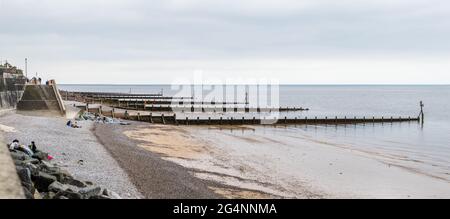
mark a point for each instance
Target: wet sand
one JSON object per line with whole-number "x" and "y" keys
{"x": 144, "y": 160}
{"x": 293, "y": 159}
{"x": 141, "y": 147}
{"x": 167, "y": 141}
{"x": 276, "y": 162}
{"x": 209, "y": 163}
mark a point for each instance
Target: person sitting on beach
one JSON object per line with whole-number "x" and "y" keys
{"x": 14, "y": 145}
{"x": 33, "y": 147}
{"x": 37, "y": 154}
{"x": 75, "y": 125}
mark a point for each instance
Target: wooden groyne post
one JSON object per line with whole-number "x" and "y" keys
{"x": 422, "y": 114}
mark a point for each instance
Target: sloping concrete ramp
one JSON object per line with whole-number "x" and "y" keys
{"x": 44, "y": 98}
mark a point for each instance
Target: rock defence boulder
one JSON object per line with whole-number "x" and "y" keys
{"x": 42, "y": 179}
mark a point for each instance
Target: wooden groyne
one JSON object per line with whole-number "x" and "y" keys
{"x": 173, "y": 119}
{"x": 97, "y": 97}
{"x": 208, "y": 108}
{"x": 159, "y": 103}
{"x": 143, "y": 108}
{"x": 293, "y": 121}
{"x": 71, "y": 94}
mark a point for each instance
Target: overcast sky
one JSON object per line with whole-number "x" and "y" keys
{"x": 294, "y": 41}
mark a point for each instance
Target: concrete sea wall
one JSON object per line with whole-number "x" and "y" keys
{"x": 11, "y": 90}
{"x": 10, "y": 186}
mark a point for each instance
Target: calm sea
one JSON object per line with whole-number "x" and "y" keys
{"x": 427, "y": 146}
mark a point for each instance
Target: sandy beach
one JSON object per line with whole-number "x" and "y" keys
{"x": 143, "y": 160}
{"x": 261, "y": 162}
{"x": 157, "y": 177}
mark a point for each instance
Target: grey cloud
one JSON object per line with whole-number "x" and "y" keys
{"x": 221, "y": 29}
